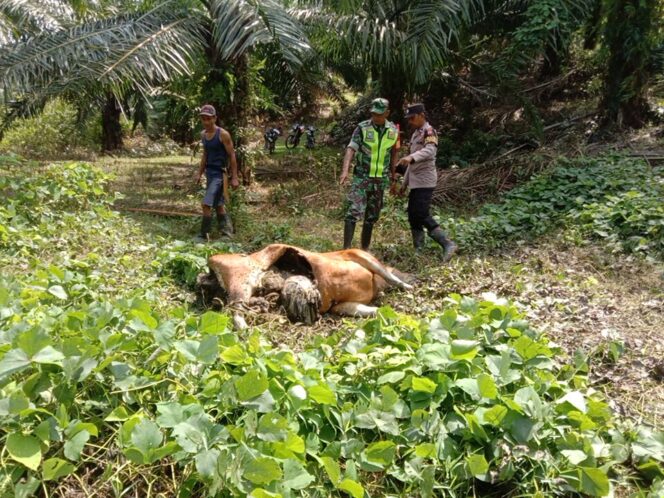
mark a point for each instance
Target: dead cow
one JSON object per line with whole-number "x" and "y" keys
{"x": 306, "y": 284}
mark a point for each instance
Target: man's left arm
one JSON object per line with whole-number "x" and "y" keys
{"x": 425, "y": 153}
{"x": 230, "y": 150}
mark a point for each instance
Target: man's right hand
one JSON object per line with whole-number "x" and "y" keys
{"x": 343, "y": 179}
{"x": 197, "y": 178}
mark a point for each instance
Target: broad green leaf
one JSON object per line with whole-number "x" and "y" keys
{"x": 295, "y": 475}
{"x": 15, "y": 360}
{"x": 423, "y": 384}
{"x": 49, "y": 355}
{"x": 487, "y": 386}
{"x": 26, "y": 489}
{"x": 206, "y": 462}
{"x": 74, "y": 446}
{"x": 332, "y": 469}
{"x": 321, "y": 393}
{"x": 575, "y": 457}
{"x": 235, "y": 355}
{"x": 213, "y": 323}
{"x": 495, "y": 415}
{"x": 24, "y": 449}
{"x": 391, "y": 377}
{"x": 528, "y": 349}
{"x": 575, "y": 399}
{"x": 208, "y": 350}
{"x": 463, "y": 349}
{"x": 529, "y": 401}
{"x": 120, "y": 414}
{"x": 262, "y": 470}
{"x": 351, "y": 487}
{"x": 250, "y": 385}
{"x": 470, "y": 386}
{"x": 381, "y": 453}
{"x": 55, "y": 468}
{"x": 172, "y": 414}
{"x": 261, "y": 493}
{"x": 272, "y": 427}
{"x": 478, "y": 466}
{"x": 58, "y": 292}
{"x": 589, "y": 480}
{"x": 425, "y": 450}
{"x": 146, "y": 436}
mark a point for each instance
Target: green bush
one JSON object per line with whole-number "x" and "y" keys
{"x": 40, "y": 202}
{"x": 53, "y": 133}
{"x": 614, "y": 198}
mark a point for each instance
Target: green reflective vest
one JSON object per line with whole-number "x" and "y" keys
{"x": 373, "y": 159}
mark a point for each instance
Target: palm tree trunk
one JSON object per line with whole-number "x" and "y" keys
{"x": 239, "y": 115}
{"x": 628, "y": 38}
{"x": 111, "y": 131}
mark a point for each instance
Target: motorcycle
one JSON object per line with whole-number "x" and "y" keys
{"x": 293, "y": 139}
{"x": 311, "y": 139}
{"x": 270, "y": 136}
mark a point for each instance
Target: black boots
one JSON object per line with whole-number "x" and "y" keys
{"x": 225, "y": 224}
{"x": 349, "y": 231}
{"x": 418, "y": 239}
{"x": 449, "y": 247}
{"x": 206, "y": 226}
{"x": 367, "y": 229}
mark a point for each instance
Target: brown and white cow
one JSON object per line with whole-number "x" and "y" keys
{"x": 305, "y": 283}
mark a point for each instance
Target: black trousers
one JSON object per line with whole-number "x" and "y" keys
{"x": 419, "y": 204}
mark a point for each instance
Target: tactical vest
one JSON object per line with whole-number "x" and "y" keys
{"x": 379, "y": 145}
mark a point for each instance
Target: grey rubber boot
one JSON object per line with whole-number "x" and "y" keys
{"x": 449, "y": 247}
{"x": 367, "y": 229}
{"x": 418, "y": 239}
{"x": 206, "y": 226}
{"x": 225, "y": 224}
{"x": 349, "y": 231}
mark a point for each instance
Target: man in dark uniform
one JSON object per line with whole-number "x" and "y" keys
{"x": 421, "y": 177}
{"x": 373, "y": 144}
{"x": 218, "y": 151}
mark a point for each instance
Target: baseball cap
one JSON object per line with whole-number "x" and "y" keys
{"x": 208, "y": 110}
{"x": 379, "y": 106}
{"x": 414, "y": 109}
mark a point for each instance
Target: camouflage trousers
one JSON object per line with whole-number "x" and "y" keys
{"x": 365, "y": 199}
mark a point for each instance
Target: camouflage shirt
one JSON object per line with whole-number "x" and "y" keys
{"x": 373, "y": 146}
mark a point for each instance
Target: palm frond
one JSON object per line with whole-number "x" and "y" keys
{"x": 240, "y": 25}
{"x": 142, "y": 49}
{"x": 33, "y": 16}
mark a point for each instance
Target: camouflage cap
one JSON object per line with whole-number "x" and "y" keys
{"x": 207, "y": 110}
{"x": 379, "y": 106}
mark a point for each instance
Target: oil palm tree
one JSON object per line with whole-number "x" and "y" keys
{"x": 88, "y": 48}
{"x": 403, "y": 44}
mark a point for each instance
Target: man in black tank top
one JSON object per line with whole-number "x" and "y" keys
{"x": 218, "y": 151}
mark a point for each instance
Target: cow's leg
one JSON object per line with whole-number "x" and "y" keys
{"x": 373, "y": 265}
{"x": 354, "y": 309}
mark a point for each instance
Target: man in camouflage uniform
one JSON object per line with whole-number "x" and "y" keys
{"x": 421, "y": 177}
{"x": 374, "y": 144}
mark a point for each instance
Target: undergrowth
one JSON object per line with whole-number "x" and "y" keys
{"x": 104, "y": 387}
{"x": 616, "y": 200}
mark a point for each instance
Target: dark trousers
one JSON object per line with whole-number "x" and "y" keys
{"x": 419, "y": 203}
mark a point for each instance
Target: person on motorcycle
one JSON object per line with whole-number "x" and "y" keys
{"x": 374, "y": 144}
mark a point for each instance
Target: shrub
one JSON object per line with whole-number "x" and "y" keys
{"x": 53, "y": 133}
{"x": 615, "y": 198}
